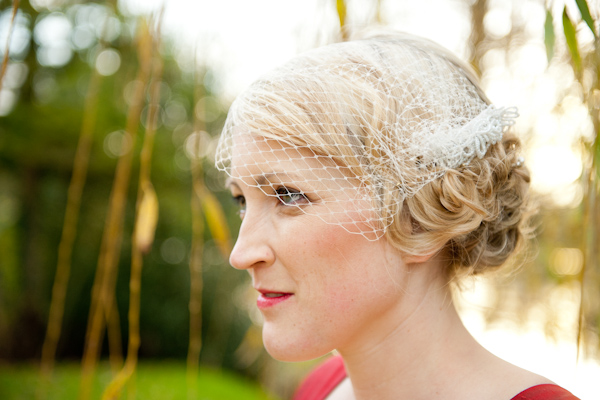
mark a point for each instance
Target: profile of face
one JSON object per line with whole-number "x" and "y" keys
{"x": 321, "y": 287}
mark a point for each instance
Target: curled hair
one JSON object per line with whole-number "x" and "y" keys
{"x": 476, "y": 216}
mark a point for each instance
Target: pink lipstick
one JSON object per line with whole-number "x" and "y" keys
{"x": 269, "y": 299}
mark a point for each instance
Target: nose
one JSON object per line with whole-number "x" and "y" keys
{"x": 252, "y": 248}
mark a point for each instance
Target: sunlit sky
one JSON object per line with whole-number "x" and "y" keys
{"x": 240, "y": 40}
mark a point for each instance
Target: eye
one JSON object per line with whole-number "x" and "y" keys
{"x": 290, "y": 197}
{"x": 240, "y": 201}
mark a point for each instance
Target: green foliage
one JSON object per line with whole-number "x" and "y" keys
{"x": 341, "y": 11}
{"x": 571, "y": 37}
{"x": 586, "y": 65}
{"x": 160, "y": 381}
{"x": 38, "y": 138}
{"x": 585, "y": 15}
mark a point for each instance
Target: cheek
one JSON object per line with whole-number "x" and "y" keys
{"x": 342, "y": 267}
{"x": 340, "y": 278}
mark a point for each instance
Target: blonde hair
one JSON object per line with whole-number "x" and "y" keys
{"x": 476, "y": 215}
{"x": 473, "y": 213}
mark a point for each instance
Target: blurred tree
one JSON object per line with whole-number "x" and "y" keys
{"x": 586, "y": 65}
{"x": 69, "y": 230}
{"x": 4, "y": 64}
{"x": 566, "y": 254}
{"x": 47, "y": 78}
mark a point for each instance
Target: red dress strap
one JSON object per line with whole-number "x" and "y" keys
{"x": 545, "y": 392}
{"x": 320, "y": 382}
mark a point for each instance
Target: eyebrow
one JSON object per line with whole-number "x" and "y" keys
{"x": 229, "y": 182}
{"x": 265, "y": 179}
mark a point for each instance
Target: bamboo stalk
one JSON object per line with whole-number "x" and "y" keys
{"x": 590, "y": 206}
{"x": 203, "y": 204}
{"x": 113, "y": 329}
{"x": 7, "y": 48}
{"x": 143, "y": 234}
{"x": 590, "y": 230}
{"x": 342, "y": 11}
{"x": 69, "y": 231}
{"x": 80, "y": 166}
{"x": 589, "y": 243}
{"x": 105, "y": 279}
{"x": 196, "y": 283}
{"x": 477, "y": 36}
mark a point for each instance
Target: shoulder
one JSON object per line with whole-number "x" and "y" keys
{"x": 545, "y": 392}
{"x": 322, "y": 380}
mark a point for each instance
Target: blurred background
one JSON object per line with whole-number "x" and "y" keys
{"x": 115, "y": 228}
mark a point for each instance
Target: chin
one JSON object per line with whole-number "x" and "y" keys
{"x": 292, "y": 348}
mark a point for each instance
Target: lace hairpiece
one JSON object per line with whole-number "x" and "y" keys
{"x": 348, "y": 131}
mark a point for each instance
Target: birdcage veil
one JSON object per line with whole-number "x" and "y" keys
{"x": 371, "y": 121}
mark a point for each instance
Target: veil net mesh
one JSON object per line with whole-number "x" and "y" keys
{"x": 348, "y": 131}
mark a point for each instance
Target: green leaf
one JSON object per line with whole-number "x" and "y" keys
{"x": 215, "y": 220}
{"x": 571, "y": 37}
{"x": 147, "y": 218}
{"x": 549, "y": 36}
{"x": 585, "y": 14}
{"x": 341, "y": 10}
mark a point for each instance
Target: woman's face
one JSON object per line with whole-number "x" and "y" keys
{"x": 320, "y": 287}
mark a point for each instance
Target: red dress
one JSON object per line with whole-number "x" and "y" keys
{"x": 321, "y": 382}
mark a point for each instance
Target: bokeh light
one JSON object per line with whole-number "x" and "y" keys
{"x": 173, "y": 250}
{"x": 21, "y": 35}
{"x": 52, "y": 33}
{"x": 566, "y": 261}
{"x": 117, "y": 143}
{"x": 108, "y": 62}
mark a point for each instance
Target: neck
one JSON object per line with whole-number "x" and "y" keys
{"x": 419, "y": 352}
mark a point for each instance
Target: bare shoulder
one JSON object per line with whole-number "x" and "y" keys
{"x": 503, "y": 380}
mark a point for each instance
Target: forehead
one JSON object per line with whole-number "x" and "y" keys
{"x": 253, "y": 156}
{"x": 250, "y": 150}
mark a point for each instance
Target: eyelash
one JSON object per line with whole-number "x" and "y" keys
{"x": 240, "y": 201}
{"x": 281, "y": 193}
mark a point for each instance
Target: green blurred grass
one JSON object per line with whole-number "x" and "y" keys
{"x": 154, "y": 380}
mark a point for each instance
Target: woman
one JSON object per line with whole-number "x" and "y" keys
{"x": 371, "y": 176}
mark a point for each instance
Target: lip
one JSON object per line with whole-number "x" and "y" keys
{"x": 264, "y": 301}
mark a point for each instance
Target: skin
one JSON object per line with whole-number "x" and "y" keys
{"x": 389, "y": 315}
